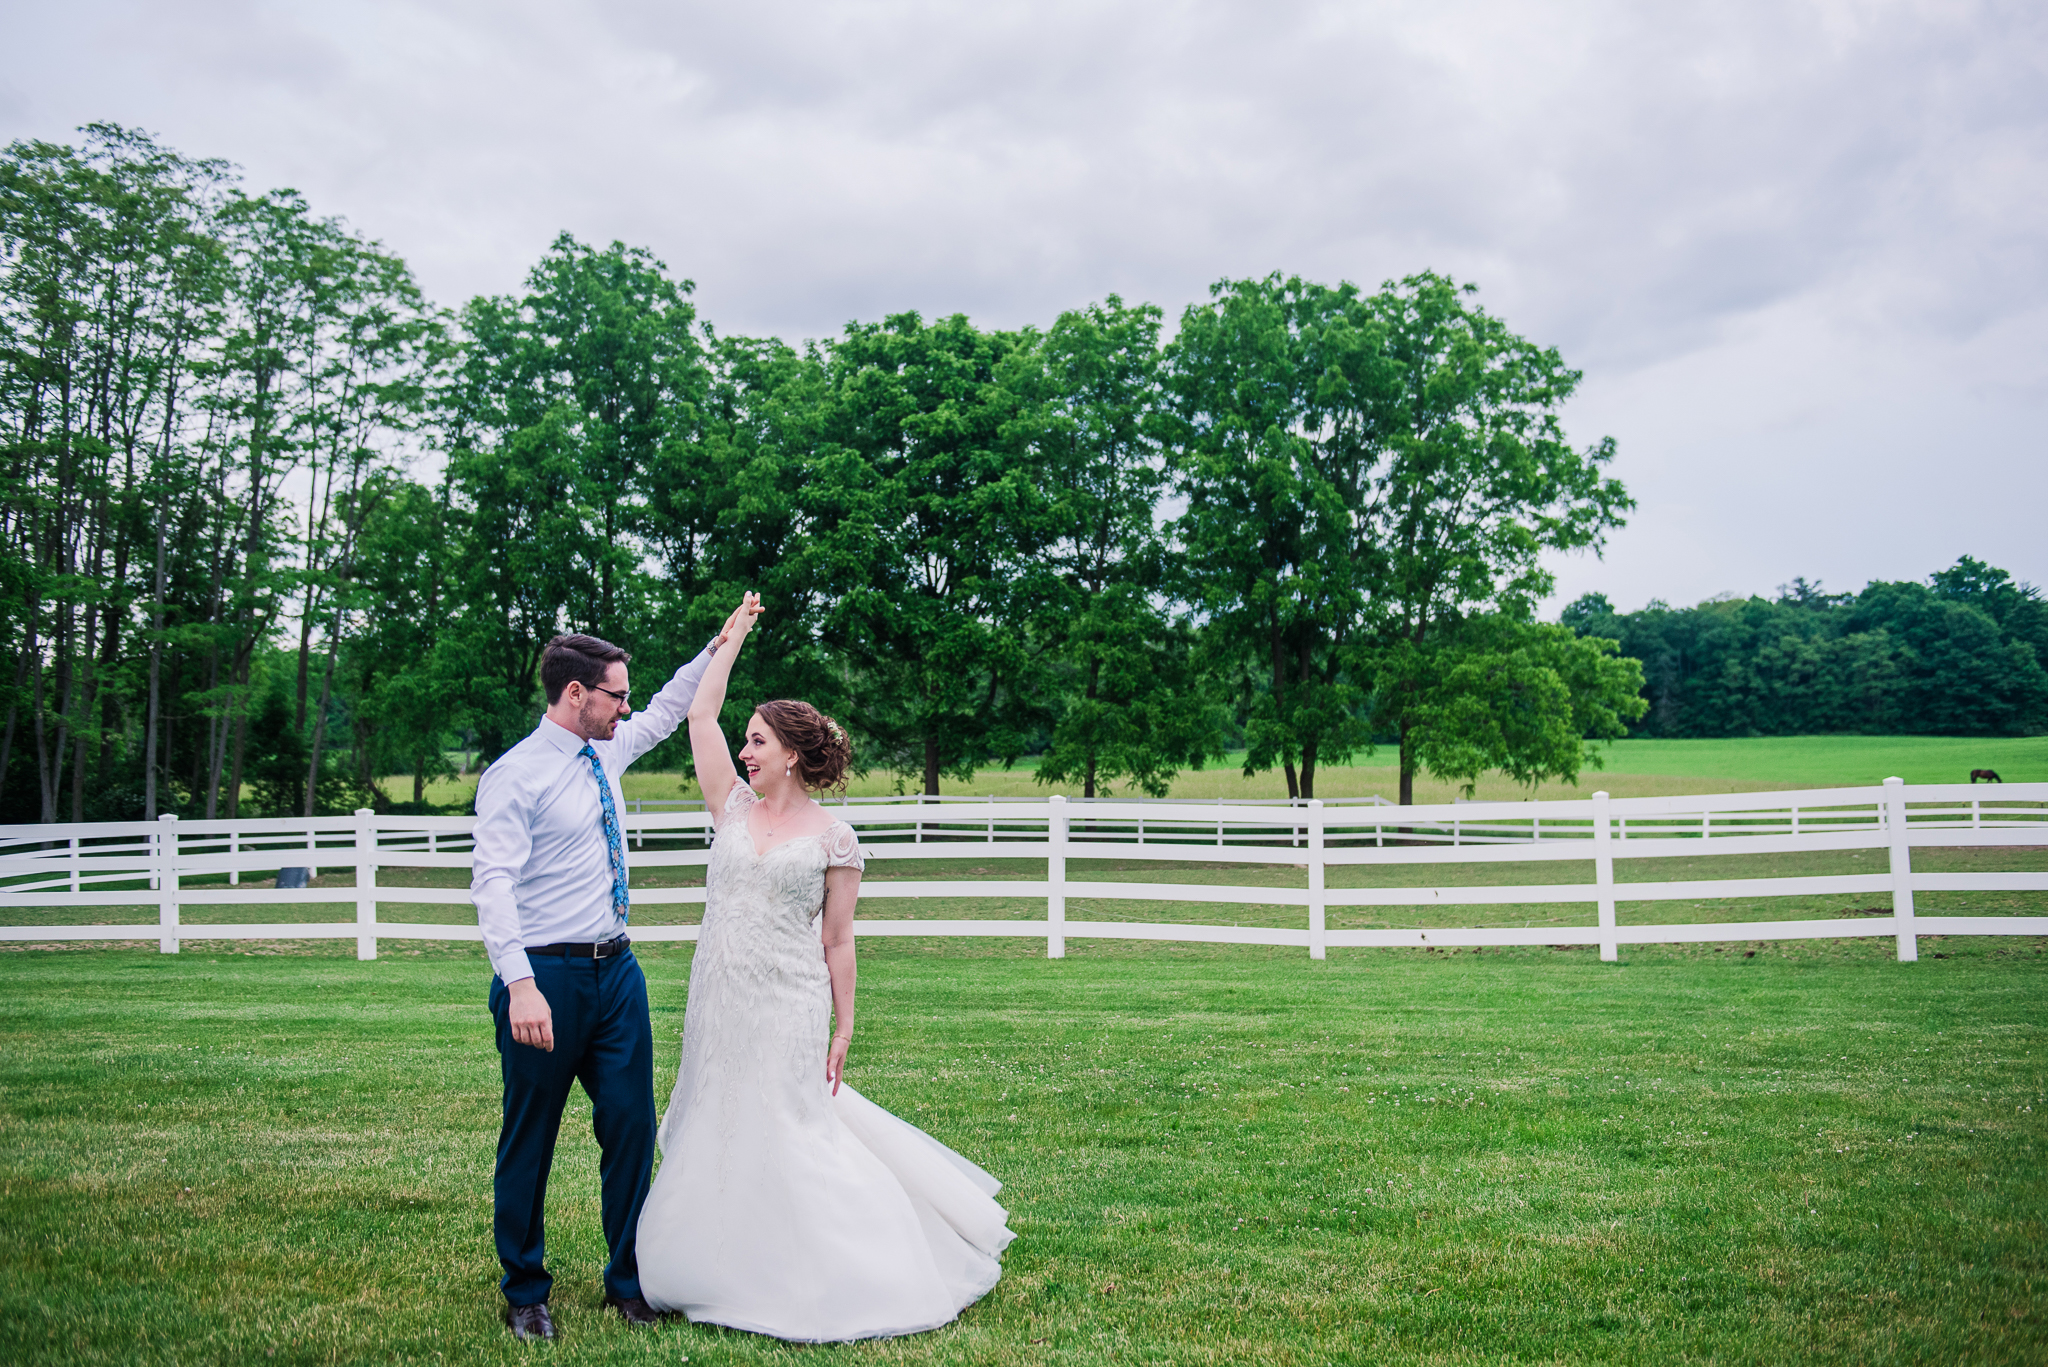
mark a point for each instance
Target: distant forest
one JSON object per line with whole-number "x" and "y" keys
{"x": 1960, "y": 655}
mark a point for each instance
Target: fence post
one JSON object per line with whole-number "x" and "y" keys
{"x": 1902, "y": 868}
{"x": 366, "y": 883}
{"x": 1056, "y": 878}
{"x": 1317, "y": 935}
{"x": 1603, "y": 879}
{"x": 167, "y": 883}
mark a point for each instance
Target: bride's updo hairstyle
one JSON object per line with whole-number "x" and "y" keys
{"x": 819, "y": 743}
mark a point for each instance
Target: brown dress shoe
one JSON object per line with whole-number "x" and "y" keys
{"x": 530, "y": 1321}
{"x": 633, "y": 1310}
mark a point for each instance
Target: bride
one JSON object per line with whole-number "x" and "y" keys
{"x": 787, "y": 1203}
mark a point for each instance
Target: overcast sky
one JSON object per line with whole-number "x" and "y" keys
{"x": 1800, "y": 250}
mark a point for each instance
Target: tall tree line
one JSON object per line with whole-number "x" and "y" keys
{"x": 277, "y": 529}
{"x": 203, "y": 397}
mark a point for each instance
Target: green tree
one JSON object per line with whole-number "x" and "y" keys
{"x": 405, "y": 682}
{"x": 612, "y": 337}
{"x": 562, "y": 401}
{"x": 1962, "y": 676}
{"x": 752, "y": 500}
{"x": 1591, "y": 614}
{"x": 381, "y": 349}
{"x": 937, "y": 514}
{"x": 1279, "y": 390}
{"x": 1134, "y": 708}
{"x": 1930, "y": 659}
{"x": 106, "y": 273}
{"x": 1522, "y": 698}
{"x": 2017, "y": 607}
{"x": 1474, "y": 481}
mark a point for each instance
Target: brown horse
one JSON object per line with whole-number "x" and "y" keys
{"x": 1988, "y": 775}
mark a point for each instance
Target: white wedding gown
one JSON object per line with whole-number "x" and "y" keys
{"x": 780, "y": 1208}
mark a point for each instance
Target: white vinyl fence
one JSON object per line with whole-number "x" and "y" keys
{"x": 127, "y": 865}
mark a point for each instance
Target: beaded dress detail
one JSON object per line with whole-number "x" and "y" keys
{"x": 780, "y": 1208}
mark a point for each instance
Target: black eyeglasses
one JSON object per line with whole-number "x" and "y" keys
{"x": 625, "y": 699}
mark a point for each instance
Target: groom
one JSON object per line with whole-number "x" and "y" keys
{"x": 569, "y": 1001}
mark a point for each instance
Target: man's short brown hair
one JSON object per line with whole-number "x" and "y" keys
{"x": 576, "y": 659}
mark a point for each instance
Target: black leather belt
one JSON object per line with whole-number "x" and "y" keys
{"x": 604, "y": 950}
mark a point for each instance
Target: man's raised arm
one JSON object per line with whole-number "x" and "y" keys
{"x": 665, "y": 711}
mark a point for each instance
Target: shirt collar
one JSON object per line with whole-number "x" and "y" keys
{"x": 559, "y": 736}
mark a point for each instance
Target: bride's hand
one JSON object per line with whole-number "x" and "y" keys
{"x": 741, "y": 621}
{"x": 835, "y": 1061}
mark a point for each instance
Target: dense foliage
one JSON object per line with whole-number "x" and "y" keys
{"x": 276, "y": 528}
{"x": 1959, "y": 655}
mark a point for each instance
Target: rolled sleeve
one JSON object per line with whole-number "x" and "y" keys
{"x": 503, "y": 840}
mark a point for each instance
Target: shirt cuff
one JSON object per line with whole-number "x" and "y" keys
{"x": 514, "y": 967}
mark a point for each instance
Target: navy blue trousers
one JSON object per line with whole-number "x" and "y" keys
{"x": 602, "y": 1041}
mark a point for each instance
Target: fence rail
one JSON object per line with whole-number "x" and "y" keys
{"x": 126, "y": 864}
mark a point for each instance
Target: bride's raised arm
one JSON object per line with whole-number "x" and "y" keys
{"x": 715, "y": 772}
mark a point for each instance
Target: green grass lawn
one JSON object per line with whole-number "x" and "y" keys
{"x": 1830, "y": 761}
{"x": 1633, "y": 768}
{"x": 274, "y": 1153}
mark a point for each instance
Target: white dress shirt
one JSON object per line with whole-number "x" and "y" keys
{"x": 542, "y": 874}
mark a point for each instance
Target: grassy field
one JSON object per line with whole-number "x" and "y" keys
{"x": 1213, "y": 1156}
{"x": 1633, "y": 768}
{"x": 1826, "y": 761}
{"x": 268, "y": 1152}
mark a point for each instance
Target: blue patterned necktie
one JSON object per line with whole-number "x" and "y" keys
{"x": 614, "y": 847}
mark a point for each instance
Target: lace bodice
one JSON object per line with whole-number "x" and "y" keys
{"x": 837, "y": 840}
{"x": 761, "y": 910}
{"x": 759, "y": 969}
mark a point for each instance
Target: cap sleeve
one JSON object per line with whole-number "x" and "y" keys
{"x": 842, "y": 847}
{"x": 738, "y": 800}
